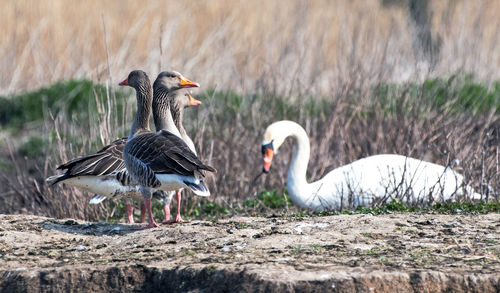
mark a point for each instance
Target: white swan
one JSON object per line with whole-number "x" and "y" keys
{"x": 369, "y": 181}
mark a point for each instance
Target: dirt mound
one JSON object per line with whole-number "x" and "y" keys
{"x": 398, "y": 252}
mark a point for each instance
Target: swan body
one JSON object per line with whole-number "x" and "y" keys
{"x": 370, "y": 181}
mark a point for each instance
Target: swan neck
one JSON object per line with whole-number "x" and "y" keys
{"x": 298, "y": 167}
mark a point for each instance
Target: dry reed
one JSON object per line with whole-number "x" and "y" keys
{"x": 302, "y": 47}
{"x": 305, "y": 50}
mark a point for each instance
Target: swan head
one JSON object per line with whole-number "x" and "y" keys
{"x": 173, "y": 80}
{"x": 273, "y": 139}
{"x": 267, "y": 153}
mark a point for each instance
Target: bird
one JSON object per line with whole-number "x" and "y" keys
{"x": 104, "y": 174}
{"x": 171, "y": 96}
{"x": 174, "y": 101}
{"x": 161, "y": 160}
{"x": 369, "y": 181}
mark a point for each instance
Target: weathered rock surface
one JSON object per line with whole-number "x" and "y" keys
{"x": 347, "y": 253}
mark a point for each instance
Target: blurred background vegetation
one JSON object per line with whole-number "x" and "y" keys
{"x": 417, "y": 78}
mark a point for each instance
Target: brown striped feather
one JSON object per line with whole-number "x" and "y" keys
{"x": 165, "y": 153}
{"x": 106, "y": 161}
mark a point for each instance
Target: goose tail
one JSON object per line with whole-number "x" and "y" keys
{"x": 97, "y": 199}
{"x": 164, "y": 196}
{"x": 56, "y": 179}
{"x": 199, "y": 188}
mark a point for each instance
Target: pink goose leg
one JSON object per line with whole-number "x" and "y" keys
{"x": 143, "y": 213}
{"x": 178, "y": 218}
{"x": 166, "y": 211}
{"x": 130, "y": 213}
{"x": 151, "y": 220}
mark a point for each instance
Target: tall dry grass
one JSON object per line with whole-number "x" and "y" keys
{"x": 278, "y": 58}
{"x": 303, "y": 46}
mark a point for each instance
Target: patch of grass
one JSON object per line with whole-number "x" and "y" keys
{"x": 116, "y": 211}
{"x": 271, "y": 199}
{"x": 210, "y": 269}
{"x": 439, "y": 207}
{"x": 211, "y": 208}
{"x": 466, "y": 207}
{"x": 421, "y": 256}
{"x": 317, "y": 248}
{"x": 242, "y": 226}
{"x": 454, "y": 95}
{"x": 34, "y": 147}
{"x": 189, "y": 253}
{"x": 5, "y": 165}
{"x": 397, "y": 206}
{"x": 74, "y": 98}
{"x": 230, "y": 106}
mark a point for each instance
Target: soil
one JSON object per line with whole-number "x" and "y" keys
{"x": 346, "y": 253}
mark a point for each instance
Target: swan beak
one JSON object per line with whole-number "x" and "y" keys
{"x": 187, "y": 83}
{"x": 268, "y": 159}
{"x": 193, "y": 101}
{"x": 124, "y": 82}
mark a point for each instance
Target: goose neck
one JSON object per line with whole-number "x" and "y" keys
{"x": 177, "y": 112}
{"x": 161, "y": 112}
{"x": 141, "y": 120}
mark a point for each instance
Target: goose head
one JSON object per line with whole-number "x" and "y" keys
{"x": 137, "y": 79}
{"x": 183, "y": 99}
{"x": 274, "y": 136}
{"x": 173, "y": 80}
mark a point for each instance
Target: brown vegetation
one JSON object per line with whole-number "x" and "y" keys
{"x": 303, "y": 46}
{"x": 280, "y": 59}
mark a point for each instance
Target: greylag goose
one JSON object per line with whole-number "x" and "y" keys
{"x": 162, "y": 160}
{"x": 170, "y": 98}
{"x": 369, "y": 181}
{"x": 104, "y": 173}
{"x": 172, "y": 102}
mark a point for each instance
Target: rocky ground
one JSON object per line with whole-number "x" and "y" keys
{"x": 347, "y": 253}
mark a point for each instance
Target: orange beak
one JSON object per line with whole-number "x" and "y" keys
{"x": 193, "y": 101}
{"x": 268, "y": 159}
{"x": 187, "y": 83}
{"x": 124, "y": 82}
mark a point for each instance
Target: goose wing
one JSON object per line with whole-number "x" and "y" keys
{"x": 164, "y": 153}
{"x": 106, "y": 161}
